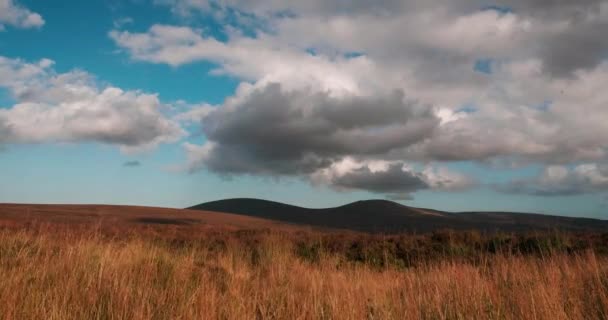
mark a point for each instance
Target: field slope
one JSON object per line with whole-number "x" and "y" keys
{"x": 124, "y": 262}
{"x": 128, "y": 217}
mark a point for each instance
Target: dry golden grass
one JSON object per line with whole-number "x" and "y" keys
{"x": 49, "y": 272}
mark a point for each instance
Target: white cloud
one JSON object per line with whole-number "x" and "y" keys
{"x": 121, "y": 22}
{"x": 195, "y": 113}
{"x": 442, "y": 178}
{"x": 15, "y": 15}
{"x": 185, "y": 7}
{"x": 196, "y": 156}
{"x": 72, "y": 107}
{"x": 397, "y": 179}
{"x": 246, "y": 58}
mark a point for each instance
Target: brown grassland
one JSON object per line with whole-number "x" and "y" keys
{"x": 94, "y": 263}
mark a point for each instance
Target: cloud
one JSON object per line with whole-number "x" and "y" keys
{"x": 393, "y": 181}
{"x": 273, "y": 131}
{"x": 15, "y": 15}
{"x": 510, "y": 94}
{"x": 194, "y": 114}
{"x": 396, "y": 179}
{"x": 247, "y": 58}
{"x": 121, "y": 22}
{"x": 534, "y": 120}
{"x": 394, "y": 81}
{"x": 185, "y": 7}
{"x": 131, "y": 164}
{"x": 562, "y": 181}
{"x": 168, "y": 44}
{"x": 441, "y": 178}
{"x": 72, "y": 107}
{"x": 460, "y": 29}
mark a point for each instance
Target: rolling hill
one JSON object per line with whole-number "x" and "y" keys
{"x": 388, "y": 216}
{"x": 127, "y": 218}
{"x": 237, "y": 214}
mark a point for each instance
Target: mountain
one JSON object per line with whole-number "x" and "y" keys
{"x": 391, "y": 217}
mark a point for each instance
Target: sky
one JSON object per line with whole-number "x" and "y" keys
{"x": 453, "y": 105}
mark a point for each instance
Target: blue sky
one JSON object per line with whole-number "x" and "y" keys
{"x": 234, "y": 99}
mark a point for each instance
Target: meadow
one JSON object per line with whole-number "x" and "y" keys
{"x": 64, "y": 271}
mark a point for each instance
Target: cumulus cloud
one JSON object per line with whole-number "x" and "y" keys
{"x": 396, "y": 179}
{"x": 512, "y": 94}
{"x": 441, "y": 178}
{"x": 15, "y": 15}
{"x": 194, "y": 113}
{"x": 461, "y": 28}
{"x": 562, "y": 181}
{"x": 393, "y": 181}
{"x": 534, "y": 119}
{"x": 394, "y": 80}
{"x": 274, "y": 131}
{"x": 251, "y": 59}
{"x": 72, "y": 107}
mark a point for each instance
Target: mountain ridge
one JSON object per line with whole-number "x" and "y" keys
{"x": 378, "y": 215}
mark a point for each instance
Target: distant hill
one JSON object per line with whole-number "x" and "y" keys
{"x": 390, "y": 217}
{"x": 238, "y": 214}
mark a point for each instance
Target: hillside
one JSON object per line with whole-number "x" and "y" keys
{"x": 238, "y": 214}
{"x": 128, "y": 218}
{"x": 388, "y": 216}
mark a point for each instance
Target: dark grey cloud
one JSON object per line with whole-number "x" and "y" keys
{"x": 582, "y": 46}
{"x": 393, "y": 181}
{"x": 274, "y": 131}
{"x": 565, "y": 35}
{"x": 5, "y": 131}
{"x": 553, "y": 7}
{"x": 133, "y": 163}
{"x": 580, "y": 42}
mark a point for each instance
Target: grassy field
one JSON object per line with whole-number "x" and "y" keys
{"x": 68, "y": 271}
